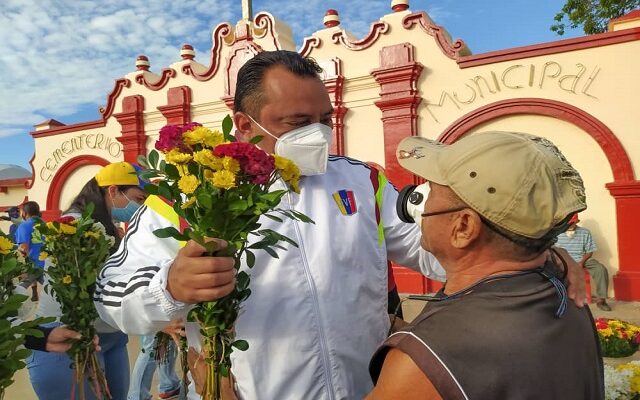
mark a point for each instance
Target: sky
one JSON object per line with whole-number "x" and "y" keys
{"x": 59, "y": 58}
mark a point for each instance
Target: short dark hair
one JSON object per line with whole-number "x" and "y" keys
{"x": 31, "y": 208}
{"x": 249, "y": 94}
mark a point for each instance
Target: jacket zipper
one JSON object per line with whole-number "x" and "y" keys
{"x": 314, "y": 294}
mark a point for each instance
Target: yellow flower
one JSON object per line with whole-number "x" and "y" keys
{"x": 188, "y": 184}
{"x": 188, "y": 203}
{"x": 67, "y": 280}
{"x": 231, "y": 164}
{"x": 606, "y": 332}
{"x": 203, "y": 136}
{"x": 68, "y": 229}
{"x": 176, "y": 157}
{"x": 223, "y": 179}
{"x": 205, "y": 157}
{"x": 289, "y": 172}
{"x": 95, "y": 235}
{"x": 5, "y": 245}
{"x": 43, "y": 255}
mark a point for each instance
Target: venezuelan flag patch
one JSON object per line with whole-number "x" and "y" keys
{"x": 346, "y": 202}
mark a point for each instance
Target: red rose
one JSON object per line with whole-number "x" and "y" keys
{"x": 170, "y": 138}
{"x": 254, "y": 162}
{"x": 636, "y": 339}
{"x": 65, "y": 220}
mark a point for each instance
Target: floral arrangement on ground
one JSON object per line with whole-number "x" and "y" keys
{"x": 622, "y": 382}
{"x": 617, "y": 338}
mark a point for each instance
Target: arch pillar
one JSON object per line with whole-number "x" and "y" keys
{"x": 55, "y": 188}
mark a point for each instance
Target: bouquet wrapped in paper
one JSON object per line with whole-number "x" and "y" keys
{"x": 12, "y": 330}
{"x": 221, "y": 187}
{"x": 77, "y": 249}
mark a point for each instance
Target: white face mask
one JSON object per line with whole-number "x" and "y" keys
{"x": 307, "y": 147}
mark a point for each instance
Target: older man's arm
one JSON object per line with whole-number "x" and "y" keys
{"x": 401, "y": 378}
{"x": 577, "y": 289}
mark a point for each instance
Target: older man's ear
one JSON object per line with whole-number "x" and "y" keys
{"x": 466, "y": 229}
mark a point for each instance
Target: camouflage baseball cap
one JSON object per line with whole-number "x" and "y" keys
{"x": 521, "y": 183}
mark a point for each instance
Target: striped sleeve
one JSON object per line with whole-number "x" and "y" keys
{"x": 131, "y": 290}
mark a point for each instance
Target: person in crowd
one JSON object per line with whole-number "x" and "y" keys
{"x": 497, "y": 202}
{"x": 13, "y": 215}
{"x": 116, "y": 194}
{"x": 316, "y": 313}
{"x": 29, "y": 248}
{"x": 55, "y": 339}
{"x": 580, "y": 245}
{"x": 169, "y": 384}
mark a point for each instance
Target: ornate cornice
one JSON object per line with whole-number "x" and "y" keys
{"x": 107, "y": 110}
{"x": 222, "y": 30}
{"x": 309, "y": 43}
{"x": 377, "y": 28}
{"x": 265, "y": 23}
{"x": 453, "y": 50}
{"x": 165, "y": 75}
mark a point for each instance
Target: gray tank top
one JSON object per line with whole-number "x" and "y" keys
{"x": 502, "y": 340}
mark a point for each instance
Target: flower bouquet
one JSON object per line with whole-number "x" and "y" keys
{"x": 12, "y": 331}
{"x": 622, "y": 382}
{"x": 77, "y": 249}
{"x": 221, "y": 188}
{"x": 617, "y": 338}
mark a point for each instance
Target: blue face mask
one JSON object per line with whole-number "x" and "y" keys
{"x": 124, "y": 214}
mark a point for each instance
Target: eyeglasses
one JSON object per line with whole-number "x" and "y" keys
{"x": 451, "y": 210}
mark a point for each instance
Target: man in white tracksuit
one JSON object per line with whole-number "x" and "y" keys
{"x": 319, "y": 311}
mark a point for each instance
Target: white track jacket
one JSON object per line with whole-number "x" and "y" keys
{"x": 316, "y": 314}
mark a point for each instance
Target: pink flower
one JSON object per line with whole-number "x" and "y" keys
{"x": 190, "y": 126}
{"x": 170, "y": 138}
{"x": 636, "y": 339}
{"x": 254, "y": 162}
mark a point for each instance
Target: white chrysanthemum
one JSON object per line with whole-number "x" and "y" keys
{"x": 97, "y": 226}
{"x": 617, "y": 384}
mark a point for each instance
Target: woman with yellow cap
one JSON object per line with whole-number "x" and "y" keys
{"x": 117, "y": 194}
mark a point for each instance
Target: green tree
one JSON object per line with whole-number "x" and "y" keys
{"x": 592, "y": 15}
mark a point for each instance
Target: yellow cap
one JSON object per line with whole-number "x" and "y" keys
{"x": 521, "y": 183}
{"x": 118, "y": 174}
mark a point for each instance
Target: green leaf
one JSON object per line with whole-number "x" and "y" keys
{"x": 151, "y": 189}
{"x": 251, "y": 259}
{"x": 256, "y": 139}
{"x": 153, "y": 158}
{"x": 227, "y": 126}
{"x": 172, "y": 171}
{"x": 169, "y": 232}
{"x": 241, "y": 345}
{"x": 273, "y": 217}
{"x": 271, "y": 252}
{"x": 142, "y": 160}
{"x": 238, "y": 206}
{"x": 204, "y": 199}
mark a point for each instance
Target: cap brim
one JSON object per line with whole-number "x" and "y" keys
{"x": 420, "y": 156}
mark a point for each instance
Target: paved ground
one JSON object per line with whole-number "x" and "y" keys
{"x": 627, "y": 311}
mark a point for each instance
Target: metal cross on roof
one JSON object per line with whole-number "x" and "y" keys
{"x": 247, "y": 12}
